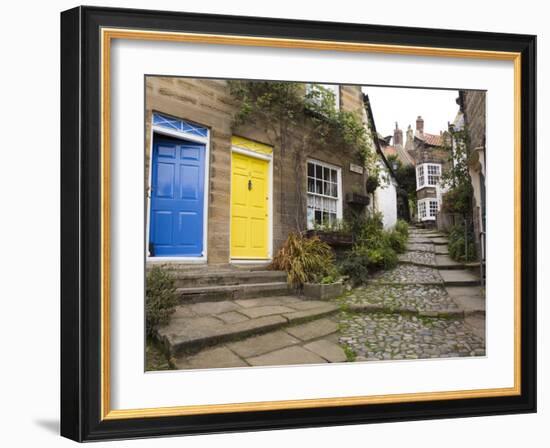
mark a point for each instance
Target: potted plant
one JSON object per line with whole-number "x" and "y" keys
{"x": 335, "y": 235}
{"x": 325, "y": 287}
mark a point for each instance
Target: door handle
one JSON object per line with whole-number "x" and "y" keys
{"x": 249, "y": 184}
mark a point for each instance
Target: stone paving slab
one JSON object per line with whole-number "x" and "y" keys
{"x": 232, "y": 317}
{"x": 260, "y": 311}
{"x": 420, "y": 240}
{"x": 218, "y": 357}
{"x": 328, "y": 350}
{"x": 258, "y": 345}
{"x": 314, "y": 313}
{"x": 446, "y": 262}
{"x": 287, "y": 356}
{"x": 442, "y": 249}
{"x": 459, "y": 278}
{"x": 313, "y": 330}
{"x": 195, "y": 326}
{"x": 198, "y": 332}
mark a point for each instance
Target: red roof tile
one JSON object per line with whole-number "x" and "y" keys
{"x": 431, "y": 139}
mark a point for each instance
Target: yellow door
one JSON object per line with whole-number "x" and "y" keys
{"x": 249, "y": 207}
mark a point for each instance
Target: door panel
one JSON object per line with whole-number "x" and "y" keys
{"x": 177, "y": 198}
{"x": 249, "y": 207}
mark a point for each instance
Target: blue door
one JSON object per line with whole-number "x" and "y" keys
{"x": 177, "y": 198}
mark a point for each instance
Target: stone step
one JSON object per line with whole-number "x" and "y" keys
{"x": 459, "y": 277}
{"x": 442, "y": 249}
{"x": 215, "y": 293}
{"x": 446, "y": 262}
{"x": 227, "y": 277}
{"x": 187, "y": 333}
{"x": 468, "y": 298}
{"x": 440, "y": 241}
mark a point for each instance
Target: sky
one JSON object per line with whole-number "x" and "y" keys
{"x": 391, "y": 104}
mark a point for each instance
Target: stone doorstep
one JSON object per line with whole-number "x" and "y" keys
{"x": 207, "y": 331}
{"x": 230, "y": 292}
{"x": 228, "y": 277}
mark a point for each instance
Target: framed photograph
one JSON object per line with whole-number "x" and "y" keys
{"x": 274, "y": 224}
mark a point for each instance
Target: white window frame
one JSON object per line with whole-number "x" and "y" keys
{"x": 338, "y": 198}
{"x": 423, "y": 180}
{"x": 424, "y": 209}
{"x": 334, "y": 88}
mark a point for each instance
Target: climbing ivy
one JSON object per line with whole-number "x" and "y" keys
{"x": 301, "y": 120}
{"x": 458, "y": 198}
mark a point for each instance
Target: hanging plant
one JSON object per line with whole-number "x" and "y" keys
{"x": 373, "y": 182}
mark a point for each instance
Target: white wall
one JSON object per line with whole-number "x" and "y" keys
{"x": 385, "y": 198}
{"x": 29, "y": 388}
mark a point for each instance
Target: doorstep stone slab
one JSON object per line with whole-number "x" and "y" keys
{"x": 314, "y": 313}
{"x": 232, "y": 317}
{"x": 196, "y": 333}
{"x": 209, "y": 359}
{"x": 209, "y": 308}
{"x": 313, "y": 330}
{"x": 261, "y": 311}
{"x": 265, "y": 301}
{"x": 286, "y": 356}
{"x": 328, "y": 350}
{"x": 258, "y": 345}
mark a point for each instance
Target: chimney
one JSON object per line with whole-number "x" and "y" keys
{"x": 420, "y": 125}
{"x": 397, "y": 135}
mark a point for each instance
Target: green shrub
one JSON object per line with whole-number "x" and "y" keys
{"x": 457, "y": 245}
{"x": 355, "y": 266}
{"x": 402, "y": 227}
{"x": 397, "y": 241}
{"x": 383, "y": 257}
{"x": 304, "y": 259}
{"x": 374, "y": 248}
{"x": 160, "y": 299}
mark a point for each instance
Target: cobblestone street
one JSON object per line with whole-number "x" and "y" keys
{"x": 408, "y": 313}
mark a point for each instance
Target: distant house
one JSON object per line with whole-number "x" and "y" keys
{"x": 218, "y": 194}
{"x": 393, "y": 146}
{"x": 430, "y": 159}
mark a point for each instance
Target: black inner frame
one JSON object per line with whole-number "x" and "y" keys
{"x": 80, "y": 223}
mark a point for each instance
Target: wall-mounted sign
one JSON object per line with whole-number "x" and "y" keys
{"x": 355, "y": 168}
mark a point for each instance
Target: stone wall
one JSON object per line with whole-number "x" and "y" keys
{"x": 474, "y": 110}
{"x": 209, "y": 103}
